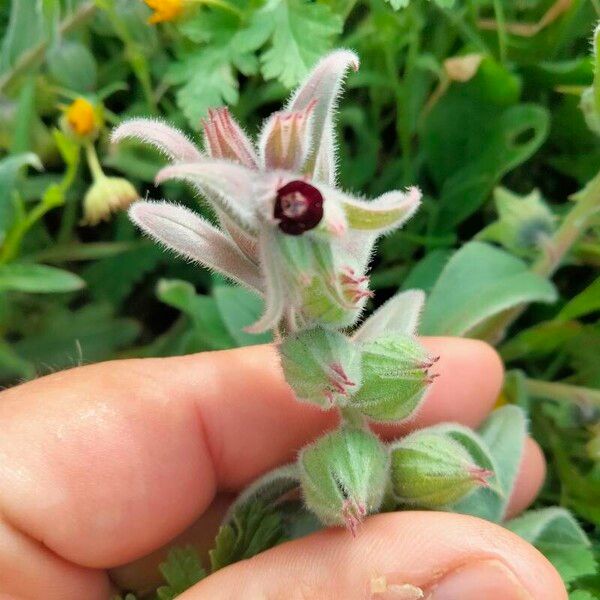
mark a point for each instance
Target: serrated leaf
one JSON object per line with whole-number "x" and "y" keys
{"x": 478, "y": 282}
{"x": 181, "y": 571}
{"x": 254, "y": 528}
{"x": 38, "y": 279}
{"x": 299, "y": 33}
{"x": 113, "y": 278}
{"x": 69, "y": 338}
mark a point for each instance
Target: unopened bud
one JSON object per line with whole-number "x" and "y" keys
{"x": 81, "y": 120}
{"x": 432, "y": 470}
{"x": 396, "y": 375}
{"x": 321, "y": 366}
{"x": 343, "y": 476}
{"x": 106, "y": 196}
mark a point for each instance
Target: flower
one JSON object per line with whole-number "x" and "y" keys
{"x": 105, "y": 196}
{"x": 286, "y": 230}
{"x": 165, "y": 10}
{"x": 81, "y": 119}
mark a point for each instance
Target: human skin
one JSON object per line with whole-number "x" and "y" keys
{"x": 102, "y": 465}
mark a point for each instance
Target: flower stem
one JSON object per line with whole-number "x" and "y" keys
{"x": 563, "y": 392}
{"x": 574, "y": 225}
{"x": 93, "y": 162}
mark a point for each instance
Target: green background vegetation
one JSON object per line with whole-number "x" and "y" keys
{"x": 528, "y": 283}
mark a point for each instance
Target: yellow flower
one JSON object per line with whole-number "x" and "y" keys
{"x": 165, "y": 10}
{"x": 82, "y": 118}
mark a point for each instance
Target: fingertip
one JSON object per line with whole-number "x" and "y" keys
{"x": 531, "y": 476}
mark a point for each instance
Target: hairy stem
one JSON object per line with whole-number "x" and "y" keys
{"x": 563, "y": 392}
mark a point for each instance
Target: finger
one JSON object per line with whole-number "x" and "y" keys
{"x": 447, "y": 556}
{"x": 530, "y": 479}
{"x": 141, "y": 446}
{"x": 143, "y": 574}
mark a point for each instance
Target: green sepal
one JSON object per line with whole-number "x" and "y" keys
{"x": 343, "y": 476}
{"x": 395, "y": 378}
{"x": 321, "y": 366}
{"x": 430, "y": 469}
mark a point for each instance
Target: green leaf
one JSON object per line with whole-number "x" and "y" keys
{"x": 208, "y": 326}
{"x": 9, "y": 172}
{"x": 299, "y": 33}
{"x": 478, "y": 282}
{"x": 113, "y": 278}
{"x": 239, "y": 308}
{"x": 69, "y": 338}
{"x": 503, "y": 434}
{"x": 583, "y": 304}
{"x": 73, "y": 66}
{"x": 181, "y": 571}
{"x": 37, "y": 279}
{"x": 253, "y": 529}
{"x": 555, "y": 533}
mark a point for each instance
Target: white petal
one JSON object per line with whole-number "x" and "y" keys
{"x": 231, "y": 187}
{"x": 400, "y": 314}
{"x": 323, "y": 86}
{"x": 191, "y": 236}
{"x": 168, "y": 140}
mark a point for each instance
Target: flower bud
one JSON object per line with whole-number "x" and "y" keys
{"x": 321, "y": 366}
{"x": 81, "y": 120}
{"x": 395, "y": 377}
{"x": 105, "y": 196}
{"x": 343, "y": 476}
{"x": 431, "y": 470}
{"x": 165, "y": 10}
{"x": 524, "y": 222}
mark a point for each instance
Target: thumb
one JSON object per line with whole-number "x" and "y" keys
{"x": 395, "y": 556}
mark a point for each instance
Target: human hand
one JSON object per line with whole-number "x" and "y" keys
{"x": 102, "y": 465}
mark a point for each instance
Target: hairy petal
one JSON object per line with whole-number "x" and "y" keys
{"x": 230, "y": 187}
{"x": 286, "y": 139}
{"x": 400, "y": 314}
{"x": 323, "y": 86}
{"x": 224, "y": 138}
{"x": 168, "y": 140}
{"x": 191, "y": 236}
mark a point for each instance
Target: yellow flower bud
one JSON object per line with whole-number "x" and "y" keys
{"x": 106, "y": 196}
{"x": 165, "y": 10}
{"x": 81, "y": 119}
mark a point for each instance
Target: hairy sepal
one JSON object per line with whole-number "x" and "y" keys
{"x": 322, "y": 367}
{"x": 189, "y": 235}
{"x": 322, "y": 88}
{"x": 230, "y": 187}
{"x": 166, "y": 139}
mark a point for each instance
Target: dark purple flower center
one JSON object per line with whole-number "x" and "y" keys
{"x": 298, "y": 207}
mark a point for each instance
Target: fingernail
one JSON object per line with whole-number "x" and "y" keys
{"x": 487, "y": 579}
